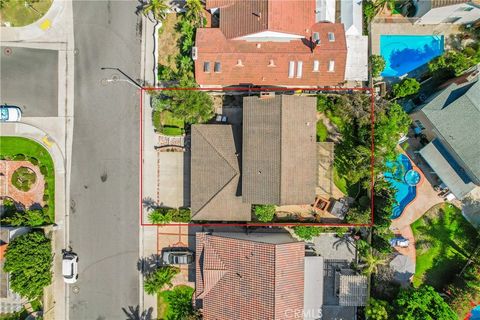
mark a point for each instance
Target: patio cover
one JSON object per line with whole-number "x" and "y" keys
{"x": 447, "y": 169}
{"x": 403, "y": 268}
{"x": 357, "y": 58}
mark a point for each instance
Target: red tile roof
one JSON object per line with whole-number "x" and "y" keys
{"x": 257, "y": 57}
{"x": 243, "y": 279}
{"x": 243, "y": 17}
{"x": 3, "y": 249}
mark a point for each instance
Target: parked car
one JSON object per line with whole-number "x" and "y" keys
{"x": 178, "y": 256}
{"x": 10, "y": 113}
{"x": 399, "y": 242}
{"x": 70, "y": 267}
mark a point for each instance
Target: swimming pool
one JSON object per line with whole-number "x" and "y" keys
{"x": 403, "y": 54}
{"x": 403, "y": 178}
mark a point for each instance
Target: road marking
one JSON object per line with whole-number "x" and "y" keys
{"x": 47, "y": 141}
{"x": 46, "y": 24}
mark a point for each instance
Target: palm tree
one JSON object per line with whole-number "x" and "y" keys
{"x": 195, "y": 11}
{"x": 158, "y": 8}
{"x": 371, "y": 262}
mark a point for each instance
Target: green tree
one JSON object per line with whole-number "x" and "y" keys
{"x": 29, "y": 260}
{"x": 192, "y": 106}
{"x": 452, "y": 61}
{"x": 195, "y": 12}
{"x": 160, "y": 278}
{"x": 265, "y": 213}
{"x": 28, "y": 218}
{"x": 423, "y": 303}
{"x": 378, "y": 65}
{"x": 406, "y": 87}
{"x": 357, "y": 215}
{"x": 377, "y": 310}
{"x": 306, "y": 232}
{"x": 158, "y": 8}
{"x": 369, "y": 11}
{"x": 371, "y": 261}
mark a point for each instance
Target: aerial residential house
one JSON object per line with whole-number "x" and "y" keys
{"x": 9, "y": 301}
{"x": 268, "y": 276}
{"x": 215, "y": 174}
{"x": 274, "y": 161}
{"x": 269, "y": 42}
{"x": 447, "y": 11}
{"x": 279, "y": 150}
{"x": 451, "y": 122}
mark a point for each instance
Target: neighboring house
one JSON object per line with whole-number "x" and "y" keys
{"x": 450, "y": 120}
{"x": 9, "y": 300}
{"x": 278, "y": 159}
{"x": 268, "y": 42}
{"x": 351, "y": 16}
{"x": 268, "y": 276}
{"x": 447, "y": 11}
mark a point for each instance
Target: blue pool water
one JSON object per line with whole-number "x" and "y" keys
{"x": 403, "y": 179}
{"x": 403, "y": 54}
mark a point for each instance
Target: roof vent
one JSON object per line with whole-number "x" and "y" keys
{"x": 271, "y": 63}
{"x": 239, "y": 63}
{"x": 259, "y": 45}
{"x": 194, "y": 53}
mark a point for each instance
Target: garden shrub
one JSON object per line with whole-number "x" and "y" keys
{"x": 23, "y": 178}
{"x": 306, "y": 232}
{"x": 44, "y": 170}
{"x": 322, "y": 131}
{"x": 161, "y": 277}
{"x": 265, "y": 213}
{"x": 46, "y": 197}
{"x": 33, "y": 161}
{"x": 19, "y": 157}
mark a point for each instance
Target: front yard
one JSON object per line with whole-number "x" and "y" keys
{"x": 16, "y": 148}
{"x": 166, "y": 123}
{"x": 444, "y": 241}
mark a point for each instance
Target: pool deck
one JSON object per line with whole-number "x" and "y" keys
{"x": 402, "y": 26}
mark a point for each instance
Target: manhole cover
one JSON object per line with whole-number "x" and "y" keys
{"x": 104, "y": 82}
{"x": 8, "y": 51}
{"x": 76, "y": 51}
{"x": 115, "y": 77}
{"x": 75, "y": 289}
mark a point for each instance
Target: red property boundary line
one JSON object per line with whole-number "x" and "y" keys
{"x": 247, "y": 90}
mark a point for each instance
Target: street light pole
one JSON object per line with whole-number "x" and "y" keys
{"x": 125, "y": 75}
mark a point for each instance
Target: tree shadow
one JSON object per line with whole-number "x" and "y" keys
{"x": 147, "y": 265}
{"x": 133, "y": 313}
{"x": 150, "y": 204}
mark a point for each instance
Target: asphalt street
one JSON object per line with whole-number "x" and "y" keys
{"x": 34, "y": 71}
{"x": 105, "y": 161}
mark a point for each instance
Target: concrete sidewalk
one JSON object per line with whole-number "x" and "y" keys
{"x": 54, "y": 306}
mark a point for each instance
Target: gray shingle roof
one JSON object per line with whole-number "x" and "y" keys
{"x": 279, "y": 150}
{"x": 215, "y": 175}
{"x": 455, "y": 113}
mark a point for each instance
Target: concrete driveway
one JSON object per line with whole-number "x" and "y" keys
{"x": 173, "y": 179}
{"x": 29, "y": 80}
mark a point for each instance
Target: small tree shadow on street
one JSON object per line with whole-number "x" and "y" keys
{"x": 133, "y": 313}
{"x": 147, "y": 265}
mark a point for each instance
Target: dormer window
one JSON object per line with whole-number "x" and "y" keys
{"x": 291, "y": 69}
{"x": 331, "y": 36}
{"x": 331, "y": 66}
{"x": 316, "y": 38}
{"x": 217, "y": 68}
{"x": 299, "y": 69}
{"x": 206, "y": 66}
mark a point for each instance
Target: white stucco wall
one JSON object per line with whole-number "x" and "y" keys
{"x": 440, "y": 15}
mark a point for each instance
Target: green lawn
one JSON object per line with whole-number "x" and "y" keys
{"x": 12, "y": 146}
{"x": 444, "y": 241}
{"x": 165, "y": 123}
{"x": 18, "y": 15}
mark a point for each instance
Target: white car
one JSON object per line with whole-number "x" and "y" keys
{"x": 70, "y": 267}
{"x": 178, "y": 256}
{"x": 10, "y": 113}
